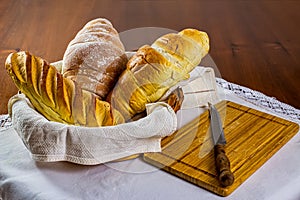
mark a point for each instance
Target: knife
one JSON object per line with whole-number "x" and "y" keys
{"x": 225, "y": 176}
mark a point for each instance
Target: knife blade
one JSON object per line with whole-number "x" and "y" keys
{"x": 225, "y": 176}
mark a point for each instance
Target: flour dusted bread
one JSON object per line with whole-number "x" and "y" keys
{"x": 58, "y": 98}
{"x": 156, "y": 68}
{"x": 95, "y": 57}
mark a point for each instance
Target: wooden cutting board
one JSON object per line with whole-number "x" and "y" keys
{"x": 252, "y": 138}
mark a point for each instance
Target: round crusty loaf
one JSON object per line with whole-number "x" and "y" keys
{"x": 95, "y": 57}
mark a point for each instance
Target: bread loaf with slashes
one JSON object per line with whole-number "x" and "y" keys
{"x": 57, "y": 98}
{"x": 148, "y": 75}
{"x": 156, "y": 68}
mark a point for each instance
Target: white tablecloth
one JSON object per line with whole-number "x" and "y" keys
{"x": 23, "y": 178}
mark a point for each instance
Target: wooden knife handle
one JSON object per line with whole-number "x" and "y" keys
{"x": 225, "y": 175}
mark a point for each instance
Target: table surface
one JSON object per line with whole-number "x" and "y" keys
{"x": 253, "y": 43}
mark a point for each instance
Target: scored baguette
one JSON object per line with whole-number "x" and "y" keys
{"x": 57, "y": 98}
{"x": 156, "y": 68}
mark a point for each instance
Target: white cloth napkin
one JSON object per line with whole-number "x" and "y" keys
{"x": 199, "y": 89}
{"x": 51, "y": 141}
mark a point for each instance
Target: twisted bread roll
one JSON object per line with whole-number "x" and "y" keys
{"x": 95, "y": 57}
{"x": 156, "y": 68}
{"x": 57, "y": 98}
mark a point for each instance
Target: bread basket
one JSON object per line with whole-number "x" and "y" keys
{"x": 49, "y": 141}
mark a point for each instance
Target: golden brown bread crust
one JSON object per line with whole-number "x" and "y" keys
{"x": 145, "y": 80}
{"x": 149, "y": 74}
{"x": 95, "y": 57}
{"x": 56, "y": 97}
{"x": 184, "y": 49}
{"x": 156, "y": 68}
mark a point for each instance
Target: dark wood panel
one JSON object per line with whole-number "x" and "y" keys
{"x": 253, "y": 43}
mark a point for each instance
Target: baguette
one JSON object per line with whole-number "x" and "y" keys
{"x": 156, "y": 68}
{"x": 57, "y": 98}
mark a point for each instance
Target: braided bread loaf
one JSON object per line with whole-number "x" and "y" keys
{"x": 156, "y": 68}
{"x": 57, "y": 98}
{"x": 95, "y": 57}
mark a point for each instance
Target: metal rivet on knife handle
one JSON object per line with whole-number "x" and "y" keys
{"x": 225, "y": 176}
